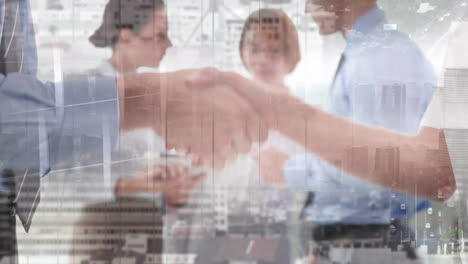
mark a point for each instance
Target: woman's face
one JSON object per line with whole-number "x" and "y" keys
{"x": 148, "y": 47}
{"x": 263, "y": 52}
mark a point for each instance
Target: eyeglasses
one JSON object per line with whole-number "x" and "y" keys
{"x": 270, "y": 52}
{"x": 319, "y": 5}
{"x": 158, "y": 37}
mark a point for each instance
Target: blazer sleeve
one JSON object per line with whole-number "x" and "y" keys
{"x": 37, "y": 118}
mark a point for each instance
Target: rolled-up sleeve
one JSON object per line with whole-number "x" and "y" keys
{"x": 393, "y": 94}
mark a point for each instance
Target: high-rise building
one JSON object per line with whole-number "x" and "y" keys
{"x": 186, "y": 21}
{"x": 358, "y": 156}
{"x": 454, "y": 95}
{"x": 393, "y": 100}
{"x": 387, "y": 160}
{"x": 457, "y": 141}
{"x": 221, "y": 211}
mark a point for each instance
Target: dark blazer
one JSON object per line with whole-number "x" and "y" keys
{"x": 19, "y": 189}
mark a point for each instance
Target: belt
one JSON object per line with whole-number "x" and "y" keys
{"x": 360, "y": 236}
{"x": 350, "y": 232}
{"x": 7, "y": 227}
{"x": 6, "y": 203}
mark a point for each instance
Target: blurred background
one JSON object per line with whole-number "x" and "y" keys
{"x": 206, "y": 32}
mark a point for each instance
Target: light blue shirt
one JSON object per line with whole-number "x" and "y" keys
{"x": 36, "y": 120}
{"x": 384, "y": 81}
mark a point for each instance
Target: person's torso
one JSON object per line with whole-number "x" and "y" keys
{"x": 383, "y": 81}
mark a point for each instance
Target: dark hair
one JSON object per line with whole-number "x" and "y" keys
{"x": 123, "y": 14}
{"x": 290, "y": 37}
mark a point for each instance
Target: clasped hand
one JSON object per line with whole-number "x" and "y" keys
{"x": 173, "y": 181}
{"x": 207, "y": 118}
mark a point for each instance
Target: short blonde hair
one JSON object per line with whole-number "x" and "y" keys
{"x": 290, "y": 37}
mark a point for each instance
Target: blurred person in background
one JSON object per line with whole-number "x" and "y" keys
{"x": 137, "y": 33}
{"x": 382, "y": 80}
{"x": 269, "y": 49}
{"x": 269, "y": 46}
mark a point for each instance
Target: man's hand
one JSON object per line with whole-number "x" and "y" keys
{"x": 268, "y": 101}
{"x": 216, "y": 124}
{"x": 331, "y": 137}
{"x": 174, "y": 182}
{"x": 258, "y": 94}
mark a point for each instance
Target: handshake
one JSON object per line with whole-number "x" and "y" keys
{"x": 211, "y": 114}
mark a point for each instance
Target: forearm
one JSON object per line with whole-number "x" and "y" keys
{"x": 173, "y": 196}
{"x": 422, "y": 166}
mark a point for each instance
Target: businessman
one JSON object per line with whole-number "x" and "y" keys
{"x": 382, "y": 81}
{"x": 35, "y": 116}
{"x": 338, "y": 135}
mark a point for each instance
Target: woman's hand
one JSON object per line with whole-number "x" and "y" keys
{"x": 178, "y": 187}
{"x": 173, "y": 181}
{"x": 271, "y": 163}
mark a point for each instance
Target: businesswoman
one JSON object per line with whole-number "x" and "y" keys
{"x": 269, "y": 48}
{"x": 137, "y": 33}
